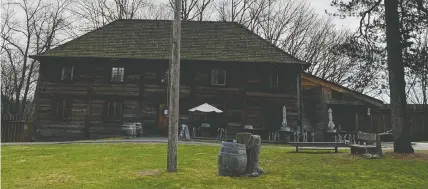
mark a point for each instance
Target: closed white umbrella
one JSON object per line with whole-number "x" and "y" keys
{"x": 284, "y": 116}
{"x": 284, "y": 121}
{"x": 205, "y": 108}
{"x": 330, "y": 119}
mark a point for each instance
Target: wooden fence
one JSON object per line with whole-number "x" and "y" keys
{"x": 15, "y": 130}
{"x": 417, "y": 125}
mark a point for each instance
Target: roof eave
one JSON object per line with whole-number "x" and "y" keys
{"x": 35, "y": 57}
{"x": 305, "y": 65}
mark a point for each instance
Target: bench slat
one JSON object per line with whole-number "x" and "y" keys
{"x": 362, "y": 146}
{"x": 335, "y": 148}
{"x": 366, "y": 136}
{"x": 318, "y": 144}
{"x": 315, "y": 142}
{"x": 309, "y": 148}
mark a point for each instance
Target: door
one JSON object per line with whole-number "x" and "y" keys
{"x": 273, "y": 117}
{"x": 162, "y": 120}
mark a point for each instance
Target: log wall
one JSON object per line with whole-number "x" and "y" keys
{"x": 247, "y": 97}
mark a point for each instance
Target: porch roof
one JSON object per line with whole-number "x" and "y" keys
{"x": 342, "y": 89}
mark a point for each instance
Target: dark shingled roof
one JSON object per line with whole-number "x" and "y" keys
{"x": 151, "y": 39}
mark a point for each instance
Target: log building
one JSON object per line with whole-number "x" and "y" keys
{"x": 90, "y": 85}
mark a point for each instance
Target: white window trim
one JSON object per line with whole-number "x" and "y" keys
{"x": 212, "y": 77}
{"x": 117, "y": 72}
{"x": 63, "y": 73}
{"x": 277, "y": 80}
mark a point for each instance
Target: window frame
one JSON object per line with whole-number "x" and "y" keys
{"x": 270, "y": 80}
{"x": 69, "y": 78}
{"x": 117, "y": 116}
{"x": 67, "y": 109}
{"x": 122, "y": 80}
{"x": 212, "y": 77}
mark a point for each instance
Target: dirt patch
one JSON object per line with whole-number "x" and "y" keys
{"x": 418, "y": 155}
{"x": 151, "y": 172}
{"x": 57, "y": 176}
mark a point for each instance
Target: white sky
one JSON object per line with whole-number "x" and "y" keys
{"x": 322, "y": 5}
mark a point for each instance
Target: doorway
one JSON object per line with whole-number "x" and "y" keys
{"x": 272, "y": 117}
{"x": 162, "y": 120}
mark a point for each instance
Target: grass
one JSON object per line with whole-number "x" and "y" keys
{"x": 143, "y": 166}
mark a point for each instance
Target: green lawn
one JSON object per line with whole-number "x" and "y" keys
{"x": 143, "y": 166}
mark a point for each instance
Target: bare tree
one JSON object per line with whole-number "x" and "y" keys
{"x": 194, "y": 9}
{"x": 159, "y": 11}
{"x": 235, "y": 10}
{"x": 297, "y": 29}
{"x": 34, "y": 31}
{"x": 97, "y": 13}
{"x": 276, "y": 21}
{"x": 321, "y": 49}
{"x": 417, "y": 74}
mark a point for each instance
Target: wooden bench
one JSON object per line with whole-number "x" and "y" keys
{"x": 366, "y": 143}
{"x": 318, "y": 145}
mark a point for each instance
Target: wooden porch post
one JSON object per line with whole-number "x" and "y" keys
{"x": 89, "y": 108}
{"x": 356, "y": 121}
{"x": 370, "y": 120}
{"x": 299, "y": 101}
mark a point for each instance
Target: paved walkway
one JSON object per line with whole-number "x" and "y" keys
{"x": 420, "y": 146}
{"x": 136, "y": 140}
{"x": 386, "y": 145}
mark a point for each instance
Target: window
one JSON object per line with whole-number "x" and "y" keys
{"x": 218, "y": 77}
{"x": 67, "y": 73}
{"x": 113, "y": 111}
{"x": 117, "y": 75}
{"x": 274, "y": 80}
{"x": 62, "y": 109}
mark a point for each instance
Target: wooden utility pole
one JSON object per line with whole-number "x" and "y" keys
{"x": 174, "y": 90}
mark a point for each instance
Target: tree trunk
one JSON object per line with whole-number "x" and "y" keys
{"x": 17, "y": 104}
{"x": 26, "y": 90}
{"x": 402, "y": 140}
{"x": 424, "y": 83}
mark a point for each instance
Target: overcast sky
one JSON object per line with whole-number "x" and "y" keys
{"x": 322, "y": 5}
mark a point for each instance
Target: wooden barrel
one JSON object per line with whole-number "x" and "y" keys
{"x": 232, "y": 159}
